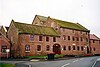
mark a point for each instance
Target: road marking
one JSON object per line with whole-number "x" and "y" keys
{"x": 95, "y": 62}
{"x": 75, "y": 60}
{"x": 65, "y": 65}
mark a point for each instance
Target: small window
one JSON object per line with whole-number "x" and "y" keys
{"x": 27, "y": 47}
{"x": 81, "y": 38}
{"x": 77, "y": 38}
{"x": 93, "y": 41}
{"x": 68, "y": 37}
{"x": 38, "y": 47}
{"x": 54, "y": 39}
{"x": 47, "y": 47}
{"x": 63, "y": 30}
{"x": 64, "y": 37}
{"x": 0, "y": 35}
{"x": 86, "y": 39}
{"x": 94, "y": 48}
{"x": 32, "y": 37}
{"x": 73, "y": 31}
{"x": 64, "y": 47}
{"x": 73, "y": 38}
{"x": 78, "y": 48}
{"x": 69, "y": 48}
{"x": 40, "y": 38}
{"x": 82, "y": 48}
{"x": 4, "y": 49}
{"x": 73, "y": 47}
{"x": 47, "y": 39}
{"x": 80, "y": 32}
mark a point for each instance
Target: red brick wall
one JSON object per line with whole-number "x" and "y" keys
{"x": 4, "y": 42}
{"x": 95, "y": 47}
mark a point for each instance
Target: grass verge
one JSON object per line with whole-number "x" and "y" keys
{"x": 6, "y": 65}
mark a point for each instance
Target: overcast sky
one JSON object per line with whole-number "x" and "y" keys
{"x": 85, "y": 12}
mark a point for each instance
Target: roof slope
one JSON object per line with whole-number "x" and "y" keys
{"x": 94, "y": 37}
{"x": 70, "y": 25}
{"x": 42, "y": 18}
{"x": 34, "y": 29}
{"x": 65, "y": 24}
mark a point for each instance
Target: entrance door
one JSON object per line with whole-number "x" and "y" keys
{"x": 56, "y": 49}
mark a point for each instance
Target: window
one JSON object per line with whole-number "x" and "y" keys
{"x": 80, "y": 32}
{"x": 27, "y": 48}
{"x": 82, "y": 48}
{"x": 4, "y": 49}
{"x": 81, "y": 38}
{"x": 69, "y": 48}
{"x": 93, "y": 41}
{"x": 47, "y": 39}
{"x": 68, "y": 37}
{"x": 54, "y": 39}
{"x": 86, "y": 39}
{"x": 77, "y": 38}
{"x": 63, "y": 30}
{"x": 94, "y": 48}
{"x": 64, "y": 37}
{"x": 32, "y": 37}
{"x": 73, "y": 31}
{"x": 86, "y": 33}
{"x": 47, "y": 47}
{"x": 73, "y": 47}
{"x": 64, "y": 47}
{"x": 73, "y": 38}
{"x": 0, "y": 35}
{"x": 38, "y": 47}
{"x": 40, "y": 38}
{"x": 78, "y": 48}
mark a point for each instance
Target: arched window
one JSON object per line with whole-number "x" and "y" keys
{"x": 27, "y": 48}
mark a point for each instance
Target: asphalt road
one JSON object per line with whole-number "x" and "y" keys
{"x": 77, "y": 62}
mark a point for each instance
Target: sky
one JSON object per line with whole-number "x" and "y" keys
{"x": 85, "y": 12}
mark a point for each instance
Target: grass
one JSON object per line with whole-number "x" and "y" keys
{"x": 44, "y": 56}
{"x": 6, "y": 65}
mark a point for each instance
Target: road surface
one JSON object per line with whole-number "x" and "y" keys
{"x": 77, "y": 62}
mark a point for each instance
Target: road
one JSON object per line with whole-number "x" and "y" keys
{"x": 77, "y": 62}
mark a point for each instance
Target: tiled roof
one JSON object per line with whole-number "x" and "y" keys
{"x": 92, "y": 36}
{"x": 65, "y": 24}
{"x": 34, "y": 29}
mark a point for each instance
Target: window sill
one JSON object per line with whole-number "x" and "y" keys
{"x": 27, "y": 51}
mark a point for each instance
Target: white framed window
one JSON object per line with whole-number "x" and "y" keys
{"x": 27, "y": 48}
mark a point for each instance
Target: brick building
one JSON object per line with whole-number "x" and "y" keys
{"x": 95, "y": 44}
{"x": 47, "y": 35}
{"x": 4, "y": 43}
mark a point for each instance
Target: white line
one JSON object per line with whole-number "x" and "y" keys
{"x": 75, "y": 60}
{"x": 65, "y": 65}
